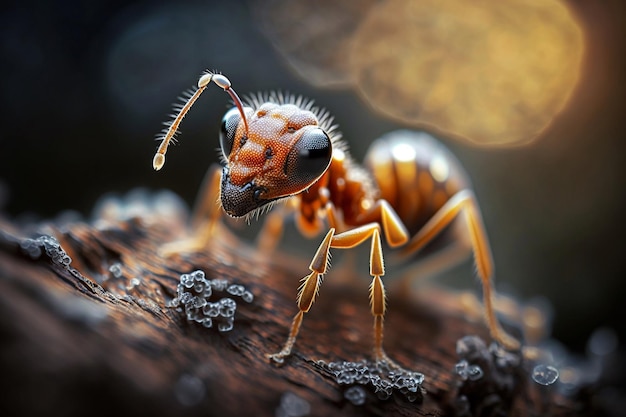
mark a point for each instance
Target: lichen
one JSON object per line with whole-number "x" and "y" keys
{"x": 36, "y": 247}
{"x": 198, "y": 297}
{"x": 489, "y": 376}
{"x": 382, "y": 377}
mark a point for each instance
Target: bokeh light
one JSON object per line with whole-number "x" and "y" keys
{"x": 493, "y": 73}
{"x": 314, "y": 37}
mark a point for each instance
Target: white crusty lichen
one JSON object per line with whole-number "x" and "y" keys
{"x": 198, "y": 297}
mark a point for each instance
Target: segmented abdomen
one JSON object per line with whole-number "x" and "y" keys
{"x": 415, "y": 173}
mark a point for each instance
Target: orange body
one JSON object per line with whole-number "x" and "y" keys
{"x": 409, "y": 190}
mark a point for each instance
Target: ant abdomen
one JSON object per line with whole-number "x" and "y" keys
{"x": 416, "y": 174}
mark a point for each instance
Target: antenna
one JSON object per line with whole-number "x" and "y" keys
{"x": 203, "y": 82}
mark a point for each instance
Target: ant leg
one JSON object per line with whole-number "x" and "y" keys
{"x": 272, "y": 231}
{"x": 382, "y": 212}
{"x": 319, "y": 265}
{"x": 464, "y": 201}
{"x": 377, "y": 295}
{"x": 306, "y": 294}
{"x": 204, "y": 219}
{"x": 206, "y": 210}
{"x": 452, "y": 254}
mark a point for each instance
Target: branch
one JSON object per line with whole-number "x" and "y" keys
{"x": 109, "y": 333}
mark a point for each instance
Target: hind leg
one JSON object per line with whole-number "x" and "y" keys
{"x": 464, "y": 203}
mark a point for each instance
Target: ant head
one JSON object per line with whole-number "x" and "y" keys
{"x": 282, "y": 152}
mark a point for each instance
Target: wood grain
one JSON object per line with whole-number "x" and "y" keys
{"x": 97, "y": 336}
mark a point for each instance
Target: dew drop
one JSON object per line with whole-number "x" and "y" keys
{"x": 461, "y": 369}
{"x": 247, "y": 296}
{"x": 189, "y": 390}
{"x": 356, "y": 395}
{"x": 226, "y": 326}
{"x": 198, "y": 275}
{"x": 116, "y": 270}
{"x": 188, "y": 283}
{"x": 294, "y": 406}
{"x": 602, "y": 342}
{"x": 211, "y": 309}
{"x": 227, "y": 307}
{"x": 545, "y": 374}
{"x": 199, "y": 302}
{"x": 219, "y": 284}
{"x": 234, "y": 289}
{"x": 474, "y": 372}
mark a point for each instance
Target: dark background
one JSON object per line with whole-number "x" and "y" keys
{"x": 86, "y": 85}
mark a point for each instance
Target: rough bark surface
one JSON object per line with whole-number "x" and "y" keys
{"x": 96, "y": 336}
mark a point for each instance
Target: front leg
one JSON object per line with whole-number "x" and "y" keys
{"x": 306, "y": 294}
{"x": 205, "y": 218}
{"x": 319, "y": 266}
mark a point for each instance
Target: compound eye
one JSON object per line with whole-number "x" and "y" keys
{"x": 309, "y": 157}
{"x": 227, "y": 131}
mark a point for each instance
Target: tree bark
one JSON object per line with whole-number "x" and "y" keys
{"x": 99, "y": 336}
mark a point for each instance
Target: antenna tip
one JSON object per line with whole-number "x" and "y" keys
{"x": 158, "y": 161}
{"x": 205, "y": 79}
{"x": 222, "y": 81}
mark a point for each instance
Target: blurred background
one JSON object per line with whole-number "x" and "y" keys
{"x": 530, "y": 96}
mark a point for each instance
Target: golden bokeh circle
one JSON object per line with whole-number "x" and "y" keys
{"x": 494, "y": 73}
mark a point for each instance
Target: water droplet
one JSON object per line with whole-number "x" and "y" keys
{"x": 603, "y": 341}
{"x": 188, "y": 283}
{"x": 344, "y": 379}
{"x": 461, "y": 369}
{"x": 32, "y": 248}
{"x": 294, "y": 406}
{"x": 211, "y": 309}
{"x": 467, "y": 371}
{"x": 116, "y": 270}
{"x": 356, "y": 395}
{"x": 226, "y": 326}
{"x": 227, "y": 307}
{"x": 247, "y": 296}
{"x": 189, "y": 390}
{"x": 545, "y": 374}
{"x": 219, "y": 284}
{"x": 199, "y": 302}
{"x": 474, "y": 372}
{"x": 185, "y": 297}
{"x": 235, "y": 289}
{"x": 469, "y": 344}
{"x": 198, "y": 275}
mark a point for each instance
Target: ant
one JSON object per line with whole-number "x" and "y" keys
{"x": 281, "y": 147}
